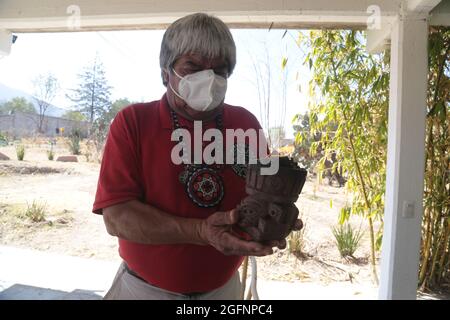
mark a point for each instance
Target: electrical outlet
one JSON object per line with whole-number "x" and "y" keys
{"x": 408, "y": 209}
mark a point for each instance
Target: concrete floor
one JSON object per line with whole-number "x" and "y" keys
{"x": 29, "y": 274}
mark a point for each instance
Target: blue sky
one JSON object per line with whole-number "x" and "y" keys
{"x": 131, "y": 60}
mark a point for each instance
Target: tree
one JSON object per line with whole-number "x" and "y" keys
{"x": 92, "y": 97}
{"x": 350, "y": 90}
{"x": 303, "y": 141}
{"x": 435, "y": 246}
{"x": 17, "y": 104}
{"x": 100, "y": 127}
{"x": 348, "y": 109}
{"x": 272, "y": 95}
{"x": 106, "y": 117}
{"x": 74, "y": 115}
{"x": 45, "y": 89}
{"x": 116, "y": 106}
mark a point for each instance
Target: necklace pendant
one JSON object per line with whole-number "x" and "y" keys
{"x": 205, "y": 187}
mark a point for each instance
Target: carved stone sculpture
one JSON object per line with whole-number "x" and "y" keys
{"x": 269, "y": 211}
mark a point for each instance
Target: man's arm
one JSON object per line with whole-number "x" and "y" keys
{"x": 142, "y": 223}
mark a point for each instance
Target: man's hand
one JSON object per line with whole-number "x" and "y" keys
{"x": 216, "y": 230}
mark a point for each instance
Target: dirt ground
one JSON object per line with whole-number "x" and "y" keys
{"x": 67, "y": 190}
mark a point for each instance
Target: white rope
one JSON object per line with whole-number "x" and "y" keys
{"x": 253, "y": 289}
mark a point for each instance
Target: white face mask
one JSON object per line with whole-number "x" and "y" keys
{"x": 202, "y": 91}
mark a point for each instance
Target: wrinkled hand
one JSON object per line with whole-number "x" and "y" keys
{"x": 217, "y": 231}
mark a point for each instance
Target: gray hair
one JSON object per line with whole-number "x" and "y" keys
{"x": 197, "y": 33}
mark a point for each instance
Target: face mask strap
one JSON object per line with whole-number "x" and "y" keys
{"x": 175, "y": 92}
{"x": 170, "y": 85}
{"x": 176, "y": 74}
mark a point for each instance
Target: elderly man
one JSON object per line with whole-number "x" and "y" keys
{"x": 175, "y": 235}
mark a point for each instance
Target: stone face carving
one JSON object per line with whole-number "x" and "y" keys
{"x": 269, "y": 211}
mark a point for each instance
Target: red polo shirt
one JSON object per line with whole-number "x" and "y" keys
{"x": 137, "y": 165}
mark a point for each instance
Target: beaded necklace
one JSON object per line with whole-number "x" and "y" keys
{"x": 202, "y": 182}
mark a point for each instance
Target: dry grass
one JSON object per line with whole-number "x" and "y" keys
{"x": 28, "y": 221}
{"x": 36, "y": 211}
{"x": 25, "y": 168}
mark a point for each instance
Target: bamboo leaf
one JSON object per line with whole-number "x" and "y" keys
{"x": 283, "y": 63}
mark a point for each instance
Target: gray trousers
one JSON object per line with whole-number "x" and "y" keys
{"x": 129, "y": 287}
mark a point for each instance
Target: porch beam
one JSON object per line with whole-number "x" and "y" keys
{"x": 58, "y": 15}
{"x": 440, "y": 15}
{"x": 422, "y": 6}
{"x": 378, "y": 39}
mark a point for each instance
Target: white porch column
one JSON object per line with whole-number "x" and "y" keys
{"x": 405, "y": 159}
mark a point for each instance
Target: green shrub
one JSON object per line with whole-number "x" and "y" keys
{"x": 74, "y": 142}
{"x": 3, "y": 140}
{"x": 20, "y": 151}
{"x": 50, "y": 155}
{"x": 347, "y": 239}
{"x": 36, "y": 211}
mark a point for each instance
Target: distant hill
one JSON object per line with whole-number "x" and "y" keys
{"x": 7, "y": 93}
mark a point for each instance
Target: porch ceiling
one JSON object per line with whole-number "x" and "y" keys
{"x": 52, "y": 15}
